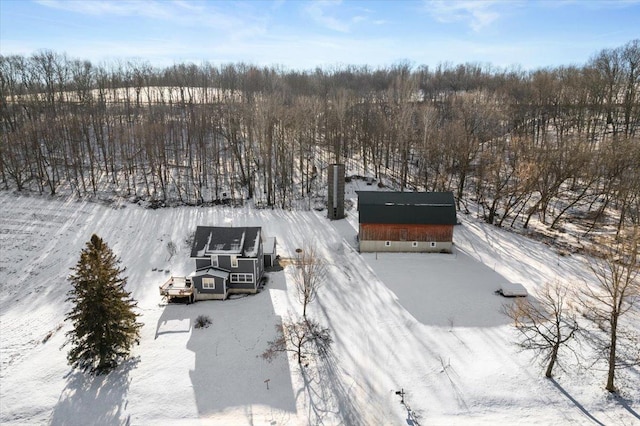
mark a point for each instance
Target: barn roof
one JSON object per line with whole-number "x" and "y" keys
{"x": 226, "y": 240}
{"x": 433, "y": 208}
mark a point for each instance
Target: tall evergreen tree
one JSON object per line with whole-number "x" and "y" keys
{"x": 104, "y": 323}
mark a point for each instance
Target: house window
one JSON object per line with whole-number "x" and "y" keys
{"x": 387, "y": 243}
{"x": 208, "y": 283}
{"x": 234, "y": 262}
{"x": 242, "y": 278}
{"x": 414, "y": 244}
{"x": 432, "y": 244}
{"x": 214, "y": 260}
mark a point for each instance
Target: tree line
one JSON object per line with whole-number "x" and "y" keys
{"x": 549, "y": 144}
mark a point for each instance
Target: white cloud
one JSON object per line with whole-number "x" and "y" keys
{"x": 477, "y": 14}
{"x": 233, "y": 22}
{"x": 319, "y": 11}
{"x": 151, "y": 9}
{"x": 339, "y": 17}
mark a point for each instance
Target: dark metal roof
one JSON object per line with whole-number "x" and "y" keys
{"x": 225, "y": 240}
{"x": 432, "y": 208}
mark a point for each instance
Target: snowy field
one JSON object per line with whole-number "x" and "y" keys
{"x": 428, "y": 324}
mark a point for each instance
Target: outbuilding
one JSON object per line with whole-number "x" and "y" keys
{"x": 406, "y": 221}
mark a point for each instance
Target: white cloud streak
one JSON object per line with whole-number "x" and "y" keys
{"x": 147, "y": 8}
{"x": 319, "y": 12}
{"x": 476, "y": 14}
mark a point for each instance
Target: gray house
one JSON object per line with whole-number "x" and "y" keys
{"x": 228, "y": 260}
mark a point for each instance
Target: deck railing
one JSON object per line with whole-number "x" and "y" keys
{"x": 176, "y": 286}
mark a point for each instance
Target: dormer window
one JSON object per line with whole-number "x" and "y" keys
{"x": 234, "y": 261}
{"x": 214, "y": 260}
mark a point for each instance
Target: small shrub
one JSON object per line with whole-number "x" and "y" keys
{"x": 202, "y": 321}
{"x": 188, "y": 241}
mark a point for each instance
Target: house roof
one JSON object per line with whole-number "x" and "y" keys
{"x": 210, "y": 270}
{"x": 269, "y": 245}
{"x": 210, "y": 240}
{"x": 432, "y": 208}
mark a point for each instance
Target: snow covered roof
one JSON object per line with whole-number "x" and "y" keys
{"x": 513, "y": 290}
{"x": 434, "y": 208}
{"x": 210, "y": 271}
{"x": 269, "y": 246}
{"x": 211, "y": 240}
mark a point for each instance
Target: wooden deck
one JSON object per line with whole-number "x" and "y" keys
{"x": 177, "y": 287}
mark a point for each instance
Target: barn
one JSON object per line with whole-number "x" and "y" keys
{"x": 406, "y": 221}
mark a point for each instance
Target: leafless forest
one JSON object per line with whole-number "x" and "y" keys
{"x": 557, "y": 144}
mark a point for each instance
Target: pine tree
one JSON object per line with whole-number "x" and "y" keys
{"x": 104, "y": 323}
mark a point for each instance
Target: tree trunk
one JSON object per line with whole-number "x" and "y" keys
{"x": 552, "y": 359}
{"x": 612, "y": 353}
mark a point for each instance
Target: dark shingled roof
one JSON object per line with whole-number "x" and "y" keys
{"x": 218, "y": 239}
{"x": 432, "y": 208}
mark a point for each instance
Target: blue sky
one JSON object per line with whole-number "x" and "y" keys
{"x": 303, "y": 35}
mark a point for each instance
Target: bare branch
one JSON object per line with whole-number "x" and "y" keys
{"x": 545, "y": 325}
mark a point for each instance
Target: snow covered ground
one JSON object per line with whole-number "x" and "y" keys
{"x": 428, "y": 324}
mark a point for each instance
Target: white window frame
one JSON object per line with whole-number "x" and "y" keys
{"x": 234, "y": 261}
{"x": 208, "y": 283}
{"x": 214, "y": 260}
{"x": 242, "y": 277}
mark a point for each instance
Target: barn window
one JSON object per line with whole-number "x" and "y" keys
{"x": 432, "y": 244}
{"x": 208, "y": 284}
{"x": 387, "y": 243}
{"x": 414, "y": 244}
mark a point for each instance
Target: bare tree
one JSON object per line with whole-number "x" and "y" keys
{"x": 545, "y": 324}
{"x": 308, "y": 277}
{"x": 304, "y": 338}
{"x": 172, "y": 249}
{"x": 618, "y": 289}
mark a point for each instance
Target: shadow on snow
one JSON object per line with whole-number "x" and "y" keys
{"x": 228, "y": 372}
{"x": 103, "y": 399}
{"x": 447, "y": 290}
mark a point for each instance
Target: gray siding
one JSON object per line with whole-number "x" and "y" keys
{"x": 201, "y": 294}
{"x": 224, "y": 262}
{"x": 246, "y": 266}
{"x": 242, "y": 288}
{"x": 259, "y": 266}
{"x": 203, "y": 262}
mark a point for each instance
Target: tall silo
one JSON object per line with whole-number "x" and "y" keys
{"x": 335, "y": 201}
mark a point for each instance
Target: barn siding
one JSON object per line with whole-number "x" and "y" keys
{"x": 405, "y": 246}
{"x": 405, "y": 232}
